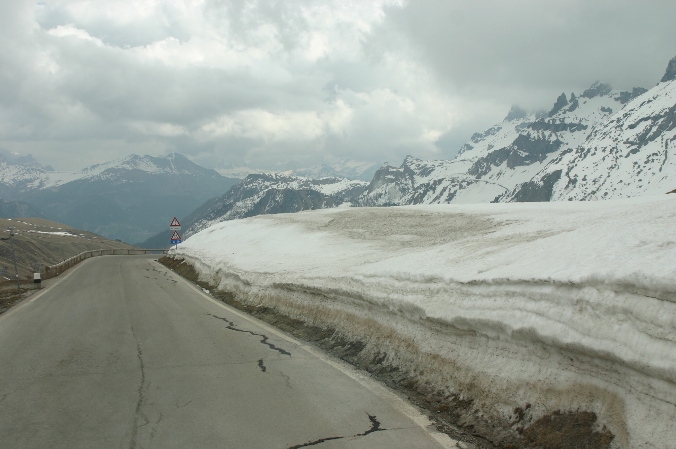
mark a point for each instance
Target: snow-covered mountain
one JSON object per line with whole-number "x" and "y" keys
{"x": 28, "y": 160}
{"x": 275, "y": 193}
{"x": 631, "y": 153}
{"x": 22, "y": 178}
{"x": 127, "y": 199}
{"x": 495, "y": 162}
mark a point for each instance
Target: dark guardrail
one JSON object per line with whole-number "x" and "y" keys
{"x": 55, "y": 270}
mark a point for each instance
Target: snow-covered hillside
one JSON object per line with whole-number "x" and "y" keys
{"x": 501, "y": 158}
{"x": 631, "y": 153}
{"x": 565, "y": 306}
{"x": 274, "y": 193}
{"x": 428, "y": 182}
{"x": 128, "y": 199}
{"x": 23, "y": 178}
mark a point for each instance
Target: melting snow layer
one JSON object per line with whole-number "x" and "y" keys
{"x": 562, "y": 304}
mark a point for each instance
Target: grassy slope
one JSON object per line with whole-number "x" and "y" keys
{"x": 33, "y": 244}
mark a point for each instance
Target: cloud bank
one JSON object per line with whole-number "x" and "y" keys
{"x": 266, "y": 82}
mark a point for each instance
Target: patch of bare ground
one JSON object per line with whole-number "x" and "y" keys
{"x": 38, "y": 242}
{"x": 9, "y": 295}
{"x": 567, "y": 431}
{"x": 558, "y": 430}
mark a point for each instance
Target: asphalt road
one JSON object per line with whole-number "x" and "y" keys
{"x": 122, "y": 353}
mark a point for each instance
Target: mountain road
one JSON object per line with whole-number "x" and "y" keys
{"x": 120, "y": 352}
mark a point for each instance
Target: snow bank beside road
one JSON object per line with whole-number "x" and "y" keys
{"x": 563, "y": 306}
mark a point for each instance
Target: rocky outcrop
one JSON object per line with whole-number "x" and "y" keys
{"x": 561, "y": 103}
{"x": 670, "y": 74}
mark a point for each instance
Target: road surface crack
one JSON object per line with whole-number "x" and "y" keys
{"x": 261, "y": 366}
{"x": 375, "y": 427}
{"x": 4, "y": 396}
{"x": 264, "y": 338}
{"x": 141, "y": 396}
{"x": 154, "y": 428}
{"x": 287, "y": 380}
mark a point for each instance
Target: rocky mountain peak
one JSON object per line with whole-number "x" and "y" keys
{"x": 561, "y": 103}
{"x": 27, "y": 161}
{"x": 597, "y": 89}
{"x": 670, "y": 74}
{"x": 408, "y": 160}
{"x": 625, "y": 97}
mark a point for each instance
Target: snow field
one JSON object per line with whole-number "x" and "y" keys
{"x": 564, "y": 306}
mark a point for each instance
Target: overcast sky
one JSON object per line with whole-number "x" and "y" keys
{"x": 266, "y": 82}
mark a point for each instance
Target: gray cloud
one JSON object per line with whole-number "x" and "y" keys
{"x": 271, "y": 81}
{"x": 530, "y": 48}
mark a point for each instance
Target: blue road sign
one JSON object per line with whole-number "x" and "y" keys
{"x": 176, "y": 238}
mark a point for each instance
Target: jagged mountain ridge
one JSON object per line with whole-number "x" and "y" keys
{"x": 602, "y": 143}
{"x": 630, "y": 154}
{"x": 127, "y": 199}
{"x": 273, "y": 193}
{"x": 499, "y": 159}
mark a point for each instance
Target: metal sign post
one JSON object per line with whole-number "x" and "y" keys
{"x": 174, "y": 225}
{"x": 175, "y": 237}
{"x": 16, "y": 270}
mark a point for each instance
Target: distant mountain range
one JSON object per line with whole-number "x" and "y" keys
{"x": 268, "y": 193}
{"x": 598, "y": 144}
{"x": 128, "y": 199}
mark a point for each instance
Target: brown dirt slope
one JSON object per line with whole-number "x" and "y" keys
{"x": 44, "y": 242}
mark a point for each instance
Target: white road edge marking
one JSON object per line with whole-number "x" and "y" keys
{"x": 376, "y": 387}
{"x": 35, "y": 296}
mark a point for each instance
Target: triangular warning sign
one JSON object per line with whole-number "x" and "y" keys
{"x": 175, "y": 235}
{"x": 174, "y": 222}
